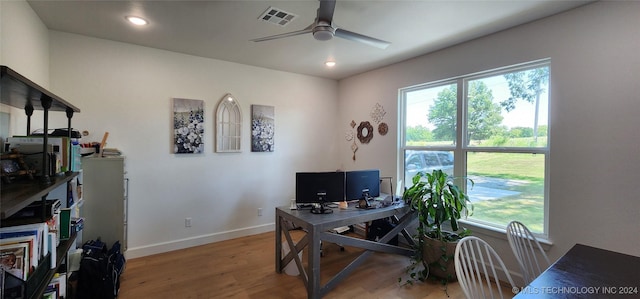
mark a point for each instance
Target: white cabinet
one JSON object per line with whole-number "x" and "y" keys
{"x": 104, "y": 200}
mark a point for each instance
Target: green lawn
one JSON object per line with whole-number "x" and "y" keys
{"x": 528, "y": 172}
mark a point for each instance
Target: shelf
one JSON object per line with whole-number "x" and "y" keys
{"x": 19, "y": 194}
{"x": 62, "y": 250}
{"x": 20, "y": 92}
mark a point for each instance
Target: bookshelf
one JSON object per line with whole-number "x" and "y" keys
{"x": 19, "y": 92}
{"x": 19, "y": 194}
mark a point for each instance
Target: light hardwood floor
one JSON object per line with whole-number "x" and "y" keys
{"x": 245, "y": 268}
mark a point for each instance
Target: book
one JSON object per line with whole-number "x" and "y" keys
{"x": 28, "y": 237}
{"x": 53, "y": 249}
{"x": 53, "y": 225}
{"x": 77, "y": 223}
{"x": 15, "y": 259}
{"x": 30, "y": 242}
{"x": 58, "y": 282}
{"x": 75, "y": 190}
{"x": 50, "y": 295}
{"x": 65, "y": 224}
{"x": 40, "y": 230}
{"x": 111, "y": 152}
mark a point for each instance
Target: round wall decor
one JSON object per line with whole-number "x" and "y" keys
{"x": 383, "y": 128}
{"x": 365, "y": 132}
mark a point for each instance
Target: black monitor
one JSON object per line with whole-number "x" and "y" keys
{"x": 319, "y": 188}
{"x": 362, "y": 184}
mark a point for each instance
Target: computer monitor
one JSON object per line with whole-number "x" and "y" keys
{"x": 319, "y": 188}
{"x": 362, "y": 184}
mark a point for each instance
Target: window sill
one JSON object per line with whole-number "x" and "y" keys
{"x": 500, "y": 233}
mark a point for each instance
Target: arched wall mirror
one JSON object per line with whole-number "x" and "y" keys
{"x": 228, "y": 125}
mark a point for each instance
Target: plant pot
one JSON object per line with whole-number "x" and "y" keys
{"x": 438, "y": 256}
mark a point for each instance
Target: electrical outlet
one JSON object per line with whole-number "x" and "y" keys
{"x": 187, "y": 222}
{"x": 259, "y": 211}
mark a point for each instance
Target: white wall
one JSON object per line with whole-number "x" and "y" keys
{"x": 24, "y": 47}
{"x": 126, "y": 90}
{"x": 595, "y": 152}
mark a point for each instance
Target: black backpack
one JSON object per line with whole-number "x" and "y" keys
{"x": 379, "y": 228}
{"x": 100, "y": 270}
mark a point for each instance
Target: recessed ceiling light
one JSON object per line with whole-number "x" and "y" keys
{"x": 136, "y": 20}
{"x": 330, "y": 63}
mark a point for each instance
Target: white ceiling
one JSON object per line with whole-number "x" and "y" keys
{"x": 223, "y": 29}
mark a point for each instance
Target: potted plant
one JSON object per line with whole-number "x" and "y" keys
{"x": 438, "y": 201}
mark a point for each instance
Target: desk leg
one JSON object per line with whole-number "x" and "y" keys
{"x": 278, "y": 243}
{"x": 313, "y": 287}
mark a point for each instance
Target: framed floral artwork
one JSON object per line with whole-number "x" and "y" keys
{"x": 262, "y": 128}
{"x": 188, "y": 126}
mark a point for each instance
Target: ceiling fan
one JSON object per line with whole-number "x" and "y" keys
{"x": 322, "y": 29}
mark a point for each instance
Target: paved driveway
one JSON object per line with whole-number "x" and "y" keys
{"x": 492, "y": 188}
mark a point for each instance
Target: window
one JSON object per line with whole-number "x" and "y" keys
{"x": 490, "y": 127}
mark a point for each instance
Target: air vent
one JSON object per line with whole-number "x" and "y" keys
{"x": 277, "y": 16}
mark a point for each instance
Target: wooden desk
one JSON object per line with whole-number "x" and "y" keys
{"x": 317, "y": 228}
{"x": 588, "y": 272}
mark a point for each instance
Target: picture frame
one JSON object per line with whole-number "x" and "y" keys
{"x": 188, "y": 126}
{"x": 262, "y": 128}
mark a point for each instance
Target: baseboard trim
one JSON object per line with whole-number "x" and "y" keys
{"x": 135, "y": 252}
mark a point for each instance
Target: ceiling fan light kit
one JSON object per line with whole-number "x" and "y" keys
{"x": 322, "y": 29}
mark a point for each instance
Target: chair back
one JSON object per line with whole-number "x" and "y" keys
{"x": 476, "y": 263}
{"x": 524, "y": 246}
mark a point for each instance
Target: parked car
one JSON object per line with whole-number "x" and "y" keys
{"x": 426, "y": 161}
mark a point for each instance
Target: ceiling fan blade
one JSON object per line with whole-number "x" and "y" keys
{"x": 325, "y": 11}
{"x": 277, "y": 36}
{"x": 356, "y": 37}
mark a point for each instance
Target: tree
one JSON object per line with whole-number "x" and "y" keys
{"x": 418, "y": 133}
{"x": 518, "y": 132}
{"x": 528, "y": 86}
{"x": 484, "y": 115}
{"x": 442, "y": 114}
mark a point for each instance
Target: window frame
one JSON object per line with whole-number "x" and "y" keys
{"x": 228, "y": 120}
{"x": 462, "y": 147}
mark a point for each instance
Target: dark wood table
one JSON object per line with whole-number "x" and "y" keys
{"x": 588, "y": 272}
{"x": 317, "y": 228}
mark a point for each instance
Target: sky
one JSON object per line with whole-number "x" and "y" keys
{"x": 419, "y": 101}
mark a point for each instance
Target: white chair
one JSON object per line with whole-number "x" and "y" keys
{"x": 476, "y": 263}
{"x": 525, "y": 245}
